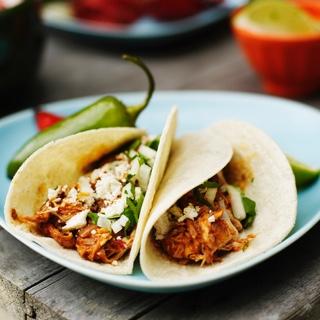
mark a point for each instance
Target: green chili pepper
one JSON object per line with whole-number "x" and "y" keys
{"x": 106, "y": 112}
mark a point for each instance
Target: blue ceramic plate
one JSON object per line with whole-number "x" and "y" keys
{"x": 57, "y": 17}
{"x": 293, "y": 125}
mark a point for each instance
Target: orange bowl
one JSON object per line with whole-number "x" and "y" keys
{"x": 288, "y": 66}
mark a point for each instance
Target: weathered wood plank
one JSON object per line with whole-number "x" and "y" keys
{"x": 285, "y": 287}
{"x": 71, "y": 296}
{"x": 20, "y": 268}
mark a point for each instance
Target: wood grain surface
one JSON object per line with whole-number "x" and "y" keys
{"x": 31, "y": 287}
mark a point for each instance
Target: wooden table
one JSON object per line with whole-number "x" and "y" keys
{"x": 31, "y": 287}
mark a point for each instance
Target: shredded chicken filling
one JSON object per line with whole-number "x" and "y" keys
{"x": 97, "y": 217}
{"x": 207, "y": 235}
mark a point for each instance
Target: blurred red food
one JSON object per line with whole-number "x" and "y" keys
{"x": 46, "y": 119}
{"x": 128, "y": 11}
{"x": 110, "y": 11}
{"x": 175, "y": 9}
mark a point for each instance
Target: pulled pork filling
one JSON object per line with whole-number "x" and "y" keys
{"x": 98, "y": 216}
{"x": 205, "y": 224}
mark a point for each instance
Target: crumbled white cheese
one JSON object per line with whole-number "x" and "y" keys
{"x": 126, "y": 191}
{"x": 95, "y": 175}
{"x": 121, "y": 170}
{"x": 77, "y": 221}
{"x": 86, "y": 193}
{"x": 189, "y": 212}
{"x": 115, "y": 209}
{"x": 162, "y": 226}
{"x": 94, "y": 231}
{"x": 84, "y": 185}
{"x": 114, "y": 263}
{"x": 53, "y": 193}
{"x": 116, "y": 227}
{"x": 144, "y": 176}
{"x": 72, "y": 195}
{"x": 103, "y": 222}
{"x": 108, "y": 187}
{"x": 123, "y": 220}
{"x": 148, "y": 153}
{"x": 119, "y": 224}
{"x": 212, "y": 219}
{"x": 135, "y": 166}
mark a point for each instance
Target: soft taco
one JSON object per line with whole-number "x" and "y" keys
{"x": 86, "y": 197}
{"x": 228, "y": 195}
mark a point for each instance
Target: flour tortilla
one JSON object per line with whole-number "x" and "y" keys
{"x": 62, "y": 162}
{"x": 273, "y": 189}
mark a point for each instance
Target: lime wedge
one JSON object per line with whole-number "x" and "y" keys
{"x": 279, "y": 17}
{"x": 304, "y": 174}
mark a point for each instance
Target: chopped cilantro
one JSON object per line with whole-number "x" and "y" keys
{"x": 250, "y": 209}
{"x": 128, "y": 153}
{"x": 132, "y": 206}
{"x": 139, "y": 203}
{"x": 94, "y": 217}
{"x": 142, "y": 159}
{"x": 210, "y": 184}
{"x": 200, "y": 198}
{"x": 129, "y": 177}
{"x": 154, "y": 144}
{"x": 133, "y": 190}
{"x": 135, "y": 144}
{"x": 130, "y": 215}
{"x": 135, "y": 207}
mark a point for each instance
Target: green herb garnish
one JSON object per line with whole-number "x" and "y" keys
{"x": 133, "y": 207}
{"x": 210, "y": 184}
{"x": 135, "y": 144}
{"x": 154, "y": 144}
{"x": 129, "y": 177}
{"x": 250, "y": 209}
{"x": 130, "y": 215}
{"x": 94, "y": 217}
{"x": 127, "y": 153}
{"x": 200, "y": 198}
{"x": 133, "y": 190}
{"x": 142, "y": 159}
{"x": 139, "y": 203}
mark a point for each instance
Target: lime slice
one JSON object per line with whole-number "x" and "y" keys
{"x": 304, "y": 174}
{"x": 278, "y": 17}
{"x": 57, "y": 11}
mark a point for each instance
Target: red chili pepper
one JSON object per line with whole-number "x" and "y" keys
{"x": 46, "y": 119}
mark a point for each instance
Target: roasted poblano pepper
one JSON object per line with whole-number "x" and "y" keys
{"x": 108, "y": 111}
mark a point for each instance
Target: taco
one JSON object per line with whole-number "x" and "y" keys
{"x": 228, "y": 195}
{"x": 86, "y": 197}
